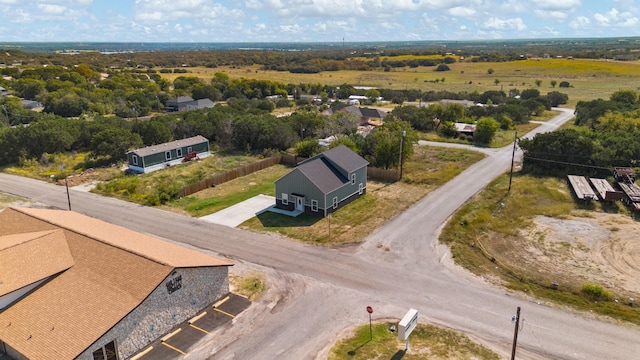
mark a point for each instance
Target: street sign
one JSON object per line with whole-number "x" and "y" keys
{"x": 369, "y": 309}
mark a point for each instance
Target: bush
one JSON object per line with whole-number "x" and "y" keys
{"x": 564, "y": 84}
{"x": 442, "y": 67}
{"x": 596, "y": 292}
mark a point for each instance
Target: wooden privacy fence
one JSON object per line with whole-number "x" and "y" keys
{"x": 372, "y": 173}
{"x": 228, "y": 176}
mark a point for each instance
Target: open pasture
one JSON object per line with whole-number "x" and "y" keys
{"x": 589, "y": 79}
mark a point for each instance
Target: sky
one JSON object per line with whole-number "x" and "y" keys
{"x": 312, "y": 20}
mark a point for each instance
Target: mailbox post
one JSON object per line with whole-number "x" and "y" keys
{"x": 406, "y": 326}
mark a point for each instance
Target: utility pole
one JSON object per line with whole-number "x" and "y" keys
{"x": 515, "y": 335}
{"x": 66, "y": 185}
{"x": 513, "y": 155}
{"x": 6, "y": 113}
{"x": 404, "y": 133}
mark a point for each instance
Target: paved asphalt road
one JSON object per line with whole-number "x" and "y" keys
{"x": 400, "y": 266}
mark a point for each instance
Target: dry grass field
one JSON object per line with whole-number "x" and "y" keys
{"x": 589, "y": 79}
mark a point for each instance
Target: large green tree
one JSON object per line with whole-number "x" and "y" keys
{"x": 486, "y": 129}
{"x": 114, "y": 142}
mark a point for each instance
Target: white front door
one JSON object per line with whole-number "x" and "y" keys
{"x": 299, "y": 204}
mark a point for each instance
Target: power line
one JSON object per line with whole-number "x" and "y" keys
{"x": 568, "y": 163}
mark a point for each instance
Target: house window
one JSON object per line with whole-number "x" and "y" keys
{"x": 360, "y": 188}
{"x": 353, "y": 179}
{"x": 167, "y": 155}
{"x": 134, "y": 159}
{"x": 335, "y": 202}
{"x": 189, "y": 150}
{"x": 314, "y": 205}
{"x": 285, "y": 199}
{"x": 107, "y": 352}
{"x": 179, "y": 152}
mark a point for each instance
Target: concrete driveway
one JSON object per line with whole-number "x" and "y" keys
{"x": 239, "y": 213}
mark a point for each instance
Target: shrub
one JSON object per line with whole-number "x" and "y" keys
{"x": 596, "y": 292}
{"x": 564, "y": 84}
{"x": 442, "y": 67}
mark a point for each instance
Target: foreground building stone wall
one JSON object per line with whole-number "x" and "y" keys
{"x": 179, "y": 297}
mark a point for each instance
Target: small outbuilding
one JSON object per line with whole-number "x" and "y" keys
{"x": 324, "y": 183}
{"x": 157, "y": 157}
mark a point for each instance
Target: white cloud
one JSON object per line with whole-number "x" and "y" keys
{"x": 505, "y": 25}
{"x": 580, "y": 22}
{"x": 614, "y": 18}
{"x": 553, "y": 4}
{"x": 462, "y": 11}
{"x": 552, "y": 14}
{"x": 171, "y": 10}
{"x": 52, "y": 9}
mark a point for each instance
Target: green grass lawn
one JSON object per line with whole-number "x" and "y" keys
{"x": 425, "y": 342}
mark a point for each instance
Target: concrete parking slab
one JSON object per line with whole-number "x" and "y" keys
{"x": 241, "y": 212}
{"x": 173, "y": 345}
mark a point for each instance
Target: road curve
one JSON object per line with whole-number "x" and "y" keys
{"x": 333, "y": 287}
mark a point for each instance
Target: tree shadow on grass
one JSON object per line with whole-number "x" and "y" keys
{"x": 269, "y": 219}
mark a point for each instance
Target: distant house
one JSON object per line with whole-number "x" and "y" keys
{"x": 186, "y": 103}
{"x": 465, "y": 103}
{"x": 324, "y": 183}
{"x": 32, "y": 105}
{"x": 465, "y": 129}
{"x": 156, "y": 157}
{"x": 367, "y": 116}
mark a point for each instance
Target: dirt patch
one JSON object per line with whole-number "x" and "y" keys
{"x": 603, "y": 250}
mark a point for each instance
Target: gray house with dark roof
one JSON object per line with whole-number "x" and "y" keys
{"x": 157, "y": 157}
{"x": 366, "y": 115}
{"x": 186, "y": 103}
{"x": 324, "y": 183}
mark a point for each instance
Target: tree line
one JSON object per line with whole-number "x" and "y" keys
{"x": 607, "y": 137}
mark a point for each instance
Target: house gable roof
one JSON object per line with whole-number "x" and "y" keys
{"x": 359, "y": 111}
{"x": 344, "y": 158}
{"x": 322, "y": 174}
{"x": 19, "y": 252}
{"x": 127, "y": 240}
{"x": 329, "y": 170}
{"x": 179, "y": 100}
{"x": 372, "y": 113}
{"x": 161, "y": 148}
{"x": 114, "y": 271}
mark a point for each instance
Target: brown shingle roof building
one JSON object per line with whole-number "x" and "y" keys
{"x": 71, "y": 285}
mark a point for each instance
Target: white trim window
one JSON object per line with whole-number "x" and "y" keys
{"x": 353, "y": 179}
{"x": 314, "y": 205}
{"x": 134, "y": 159}
{"x": 167, "y": 155}
{"x": 360, "y": 188}
{"x": 179, "y": 152}
{"x": 189, "y": 149}
{"x": 285, "y": 199}
{"x": 335, "y": 202}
